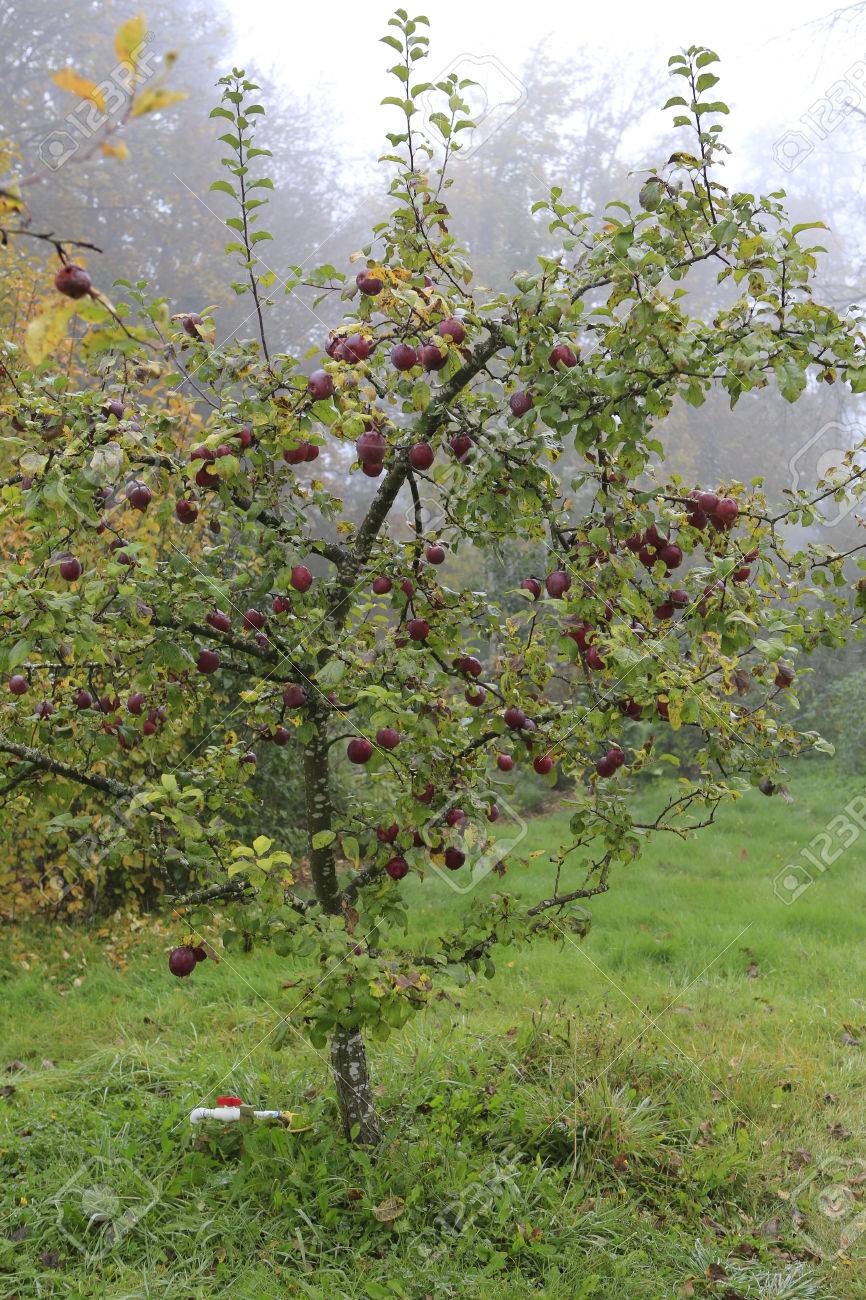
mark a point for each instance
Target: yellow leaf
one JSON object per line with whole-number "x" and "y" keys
{"x": 48, "y": 328}
{"x": 115, "y": 150}
{"x": 129, "y": 38}
{"x": 69, "y": 79}
{"x": 152, "y": 101}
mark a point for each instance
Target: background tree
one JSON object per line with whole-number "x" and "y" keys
{"x": 344, "y": 643}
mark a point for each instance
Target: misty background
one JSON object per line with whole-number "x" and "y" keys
{"x": 571, "y": 98}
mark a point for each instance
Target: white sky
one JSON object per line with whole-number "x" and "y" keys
{"x": 777, "y": 61}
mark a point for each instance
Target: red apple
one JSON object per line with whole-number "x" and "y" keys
{"x": 557, "y": 583}
{"x": 359, "y": 750}
{"x": 139, "y": 495}
{"x": 397, "y": 868}
{"x": 504, "y": 762}
{"x": 70, "y": 568}
{"x": 543, "y": 764}
{"x": 521, "y": 402}
{"x": 452, "y": 328}
{"x": 18, "y": 684}
{"x": 387, "y": 834}
{"x": 181, "y": 961}
{"x": 418, "y": 629}
{"x": 421, "y": 456}
{"x": 320, "y": 385}
{"x": 435, "y": 554}
{"x": 562, "y": 355}
{"x": 72, "y": 281}
{"x": 404, "y": 357}
{"x": 301, "y": 578}
{"x": 368, "y": 283}
{"x": 387, "y": 738}
{"x": 294, "y": 696}
{"x": 208, "y": 661}
{"x": 186, "y": 511}
{"x": 220, "y": 621}
{"x": 431, "y": 357}
{"x": 381, "y": 586}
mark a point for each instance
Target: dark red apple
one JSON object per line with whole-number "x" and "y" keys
{"x": 387, "y": 834}
{"x": 281, "y": 604}
{"x": 387, "y": 738}
{"x": 557, "y": 583}
{"x": 521, "y": 402}
{"x": 404, "y": 357}
{"x": 562, "y": 355}
{"x": 418, "y": 629}
{"x": 186, "y": 511}
{"x": 208, "y": 661}
{"x": 368, "y": 283}
{"x": 70, "y": 568}
{"x": 294, "y": 696}
{"x": 253, "y": 620}
{"x": 533, "y": 586}
{"x": 461, "y": 445}
{"x": 301, "y": 578}
{"x": 320, "y": 386}
{"x": 181, "y": 961}
{"x": 671, "y": 556}
{"x": 44, "y": 709}
{"x": 725, "y": 513}
{"x": 397, "y": 868}
{"x": 543, "y": 764}
{"x": 435, "y": 554}
{"x": 452, "y": 328}
{"x": 18, "y": 684}
{"x": 280, "y": 736}
{"x": 139, "y": 495}
{"x": 421, "y": 456}
{"x": 454, "y": 858}
{"x": 371, "y": 447}
{"x": 359, "y": 750}
{"x": 504, "y": 762}
{"x": 72, "y": 281}
{"x": 82, "y": 699}
{"x": 431, "y": 356}
{"x": 514, "y": 718}
{"x": 382, "y": 585}
{"x": 135, "y": 703}
{"x": 220, "y": 621}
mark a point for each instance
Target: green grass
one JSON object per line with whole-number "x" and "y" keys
{"x": 652, "y": 1112}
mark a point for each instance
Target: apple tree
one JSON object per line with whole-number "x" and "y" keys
{"x": 267, "y": 613}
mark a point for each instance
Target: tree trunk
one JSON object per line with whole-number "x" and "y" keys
{"x": 348, "y": 1058}
{"x": 354, "y": 1093}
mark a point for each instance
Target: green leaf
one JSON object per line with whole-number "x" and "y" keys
{"x": 322, "y": 839}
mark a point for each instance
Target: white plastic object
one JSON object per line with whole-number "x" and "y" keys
{"x": 228, "y": 1114}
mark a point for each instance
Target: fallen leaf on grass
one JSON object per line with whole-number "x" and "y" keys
{"x": 389, "y": 1210}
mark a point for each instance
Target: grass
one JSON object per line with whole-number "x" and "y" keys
{"x": 672, "y": 1107}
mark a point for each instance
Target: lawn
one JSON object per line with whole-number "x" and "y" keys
{"x": 673, "y": 1106}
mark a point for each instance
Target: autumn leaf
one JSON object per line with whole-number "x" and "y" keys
{"x": 47, "y": 329}
{"x": 69, "y": 79}
{"x": 115, "y": 149}
{"x": 129, "y": 38}
{"x": 153, "y": 101}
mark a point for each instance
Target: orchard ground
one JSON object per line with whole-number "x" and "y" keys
{"x": 674, "y": 1107}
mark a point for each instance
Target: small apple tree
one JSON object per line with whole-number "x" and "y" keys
{"x": 343, "y": 643}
